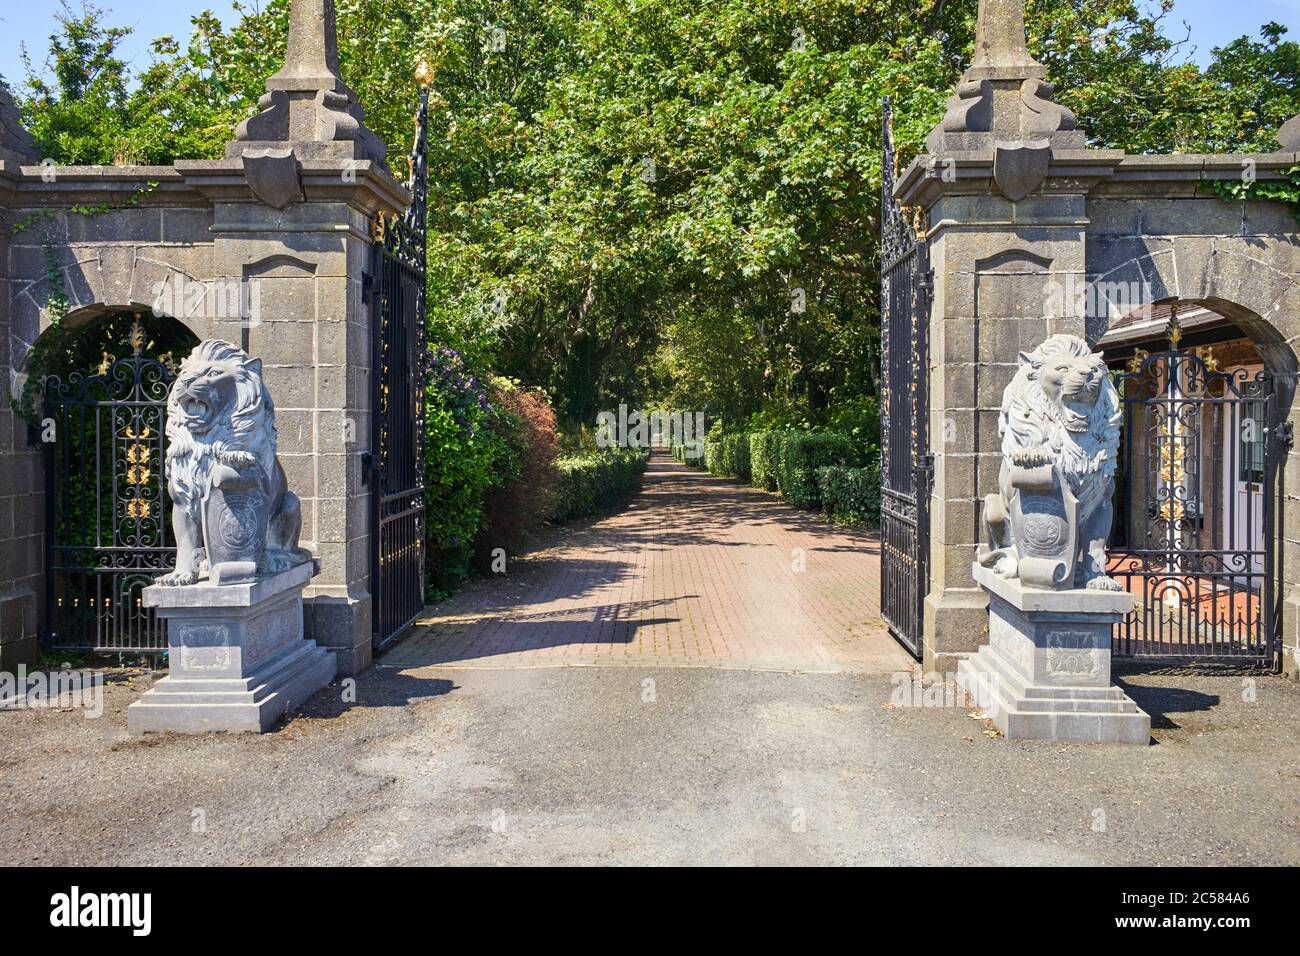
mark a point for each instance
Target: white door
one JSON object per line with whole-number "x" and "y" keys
{"x": 1243, "y": 519}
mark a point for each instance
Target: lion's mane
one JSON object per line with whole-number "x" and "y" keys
{"x": 1083, "y": 441}
{"x": 248, "y": 425}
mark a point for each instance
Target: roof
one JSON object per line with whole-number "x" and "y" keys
{"x": 1149, "y": 323}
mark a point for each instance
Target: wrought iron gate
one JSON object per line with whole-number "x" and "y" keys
{"x": 1197, "y": 531}
{"x": 905, "y": 452}
{"x": 107, "y": 511}
{"x": 395, "y": 286}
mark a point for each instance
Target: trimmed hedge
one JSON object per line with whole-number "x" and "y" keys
{"x": 695, "y": 461}
{"x": 822, "y": 470}
{"x": 728, "y": 456}
{"x": 851, "y": 495}
{"x": 801, "y": 454}
{"x": 764, "y": 452}
{"x": 593, "y": 483}
{"x": 784, "y": 461}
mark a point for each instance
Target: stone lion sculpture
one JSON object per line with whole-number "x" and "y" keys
{"x": 1060, "y": 422}
{"x": 232, "y": 514}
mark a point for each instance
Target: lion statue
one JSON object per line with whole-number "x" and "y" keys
{"x": 221, "y": 435}
{"x": 1060, "y": 422}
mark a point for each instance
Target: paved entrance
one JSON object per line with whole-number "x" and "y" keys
{"x": 697, "y": 571}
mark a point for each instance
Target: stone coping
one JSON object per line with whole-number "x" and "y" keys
{"x": 195, "y": 182}
{"x": 1072, "y": 601}
{"x": 1086, "y": 169}
{"x": 205, "y": 594}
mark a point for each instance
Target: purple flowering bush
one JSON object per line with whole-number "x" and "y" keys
{"x": 459, "y": 389}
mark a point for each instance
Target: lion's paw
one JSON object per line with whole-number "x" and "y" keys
{"x": 1031, "y": 458}
{"x": 178, "y": 579}
{"x": 275, "y": 561}
{"x": 239, "y": 459}
{"x": 1104, "y": 583}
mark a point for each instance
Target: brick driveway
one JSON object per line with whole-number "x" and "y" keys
{"x": 697, "y": 571}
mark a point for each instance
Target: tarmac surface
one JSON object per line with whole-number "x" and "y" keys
{"x": 625, "y": 765}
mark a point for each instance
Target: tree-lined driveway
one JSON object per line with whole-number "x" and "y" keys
{"x": 697, "y": 571}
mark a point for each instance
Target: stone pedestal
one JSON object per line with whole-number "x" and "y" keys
{"x": 237, "y": 657}
{"x": 1045, "y": 673}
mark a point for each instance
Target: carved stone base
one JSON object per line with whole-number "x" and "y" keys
{"x": 1045, "y": 673}
{"x": 237, "y": 659}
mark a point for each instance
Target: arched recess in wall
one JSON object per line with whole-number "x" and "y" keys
{"x": 85, "y": 342}
{"x": 94, "y": 398}
{"x": 1207, "y": 387}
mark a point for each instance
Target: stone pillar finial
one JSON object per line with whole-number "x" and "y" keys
{"x": 307, "y": 111}
{"x": 311, "y": 57}
{"x": 1000, "y": 48}
{"x": 1004, "y": 104}
{"x": 16, "y": 144}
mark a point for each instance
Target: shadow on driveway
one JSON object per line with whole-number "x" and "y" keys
{"x": 378, "y": 687}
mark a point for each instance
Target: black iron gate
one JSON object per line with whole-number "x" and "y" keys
{"x": 395, "y": 286}
{"x": 905, "y": 452}
{"x": 107, "y": 511}
{"x": 1197, "y": 535}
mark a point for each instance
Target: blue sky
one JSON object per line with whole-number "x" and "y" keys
{"x": 1212, "y": 23}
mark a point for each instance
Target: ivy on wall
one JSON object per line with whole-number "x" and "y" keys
{"x": 1284, "y": 191}
{"x": 85, "y": 209}
{"x": 56, "y": 299}
{"x": 54, "y": 355}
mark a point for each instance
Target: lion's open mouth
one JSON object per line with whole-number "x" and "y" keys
{"x": 195, "y": 408}
{"x": 1084, "y": 394}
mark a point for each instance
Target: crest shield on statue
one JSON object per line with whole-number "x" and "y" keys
{"x": 1043, "y": 506}
{"x": 236, "y": 511}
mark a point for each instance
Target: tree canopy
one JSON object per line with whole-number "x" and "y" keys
{"x": 666, "y": 203}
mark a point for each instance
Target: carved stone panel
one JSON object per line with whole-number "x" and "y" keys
{"x": 1073, "y": 656}
{"x": 204, "y": 647}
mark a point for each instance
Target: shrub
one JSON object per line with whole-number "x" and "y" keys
{"x": 859, "y": 419}
{"x": 728, "y": 455}
{"x": 593, "y": 483}
{"x": 578, "y": 440}
{"x": 851, "y": 495}
{"x": 763, "y": 450}
{"x": 798, "y": 457}
{"x": 462, "y": 460}
{"x": 525, "y": 496}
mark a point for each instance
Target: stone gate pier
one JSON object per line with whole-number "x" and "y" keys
{"x": 287, "y": 210}
{"x": 1023, "y": 216}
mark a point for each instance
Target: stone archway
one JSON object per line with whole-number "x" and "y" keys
{"x": 1025, "y": 224}
{"x": 288, "y": 207}
{"x": 97, "y": 391}
{"x": 1253, "y": 280}
{"x": 1198, "y": 536}
{"x": 1240, "y": 261}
